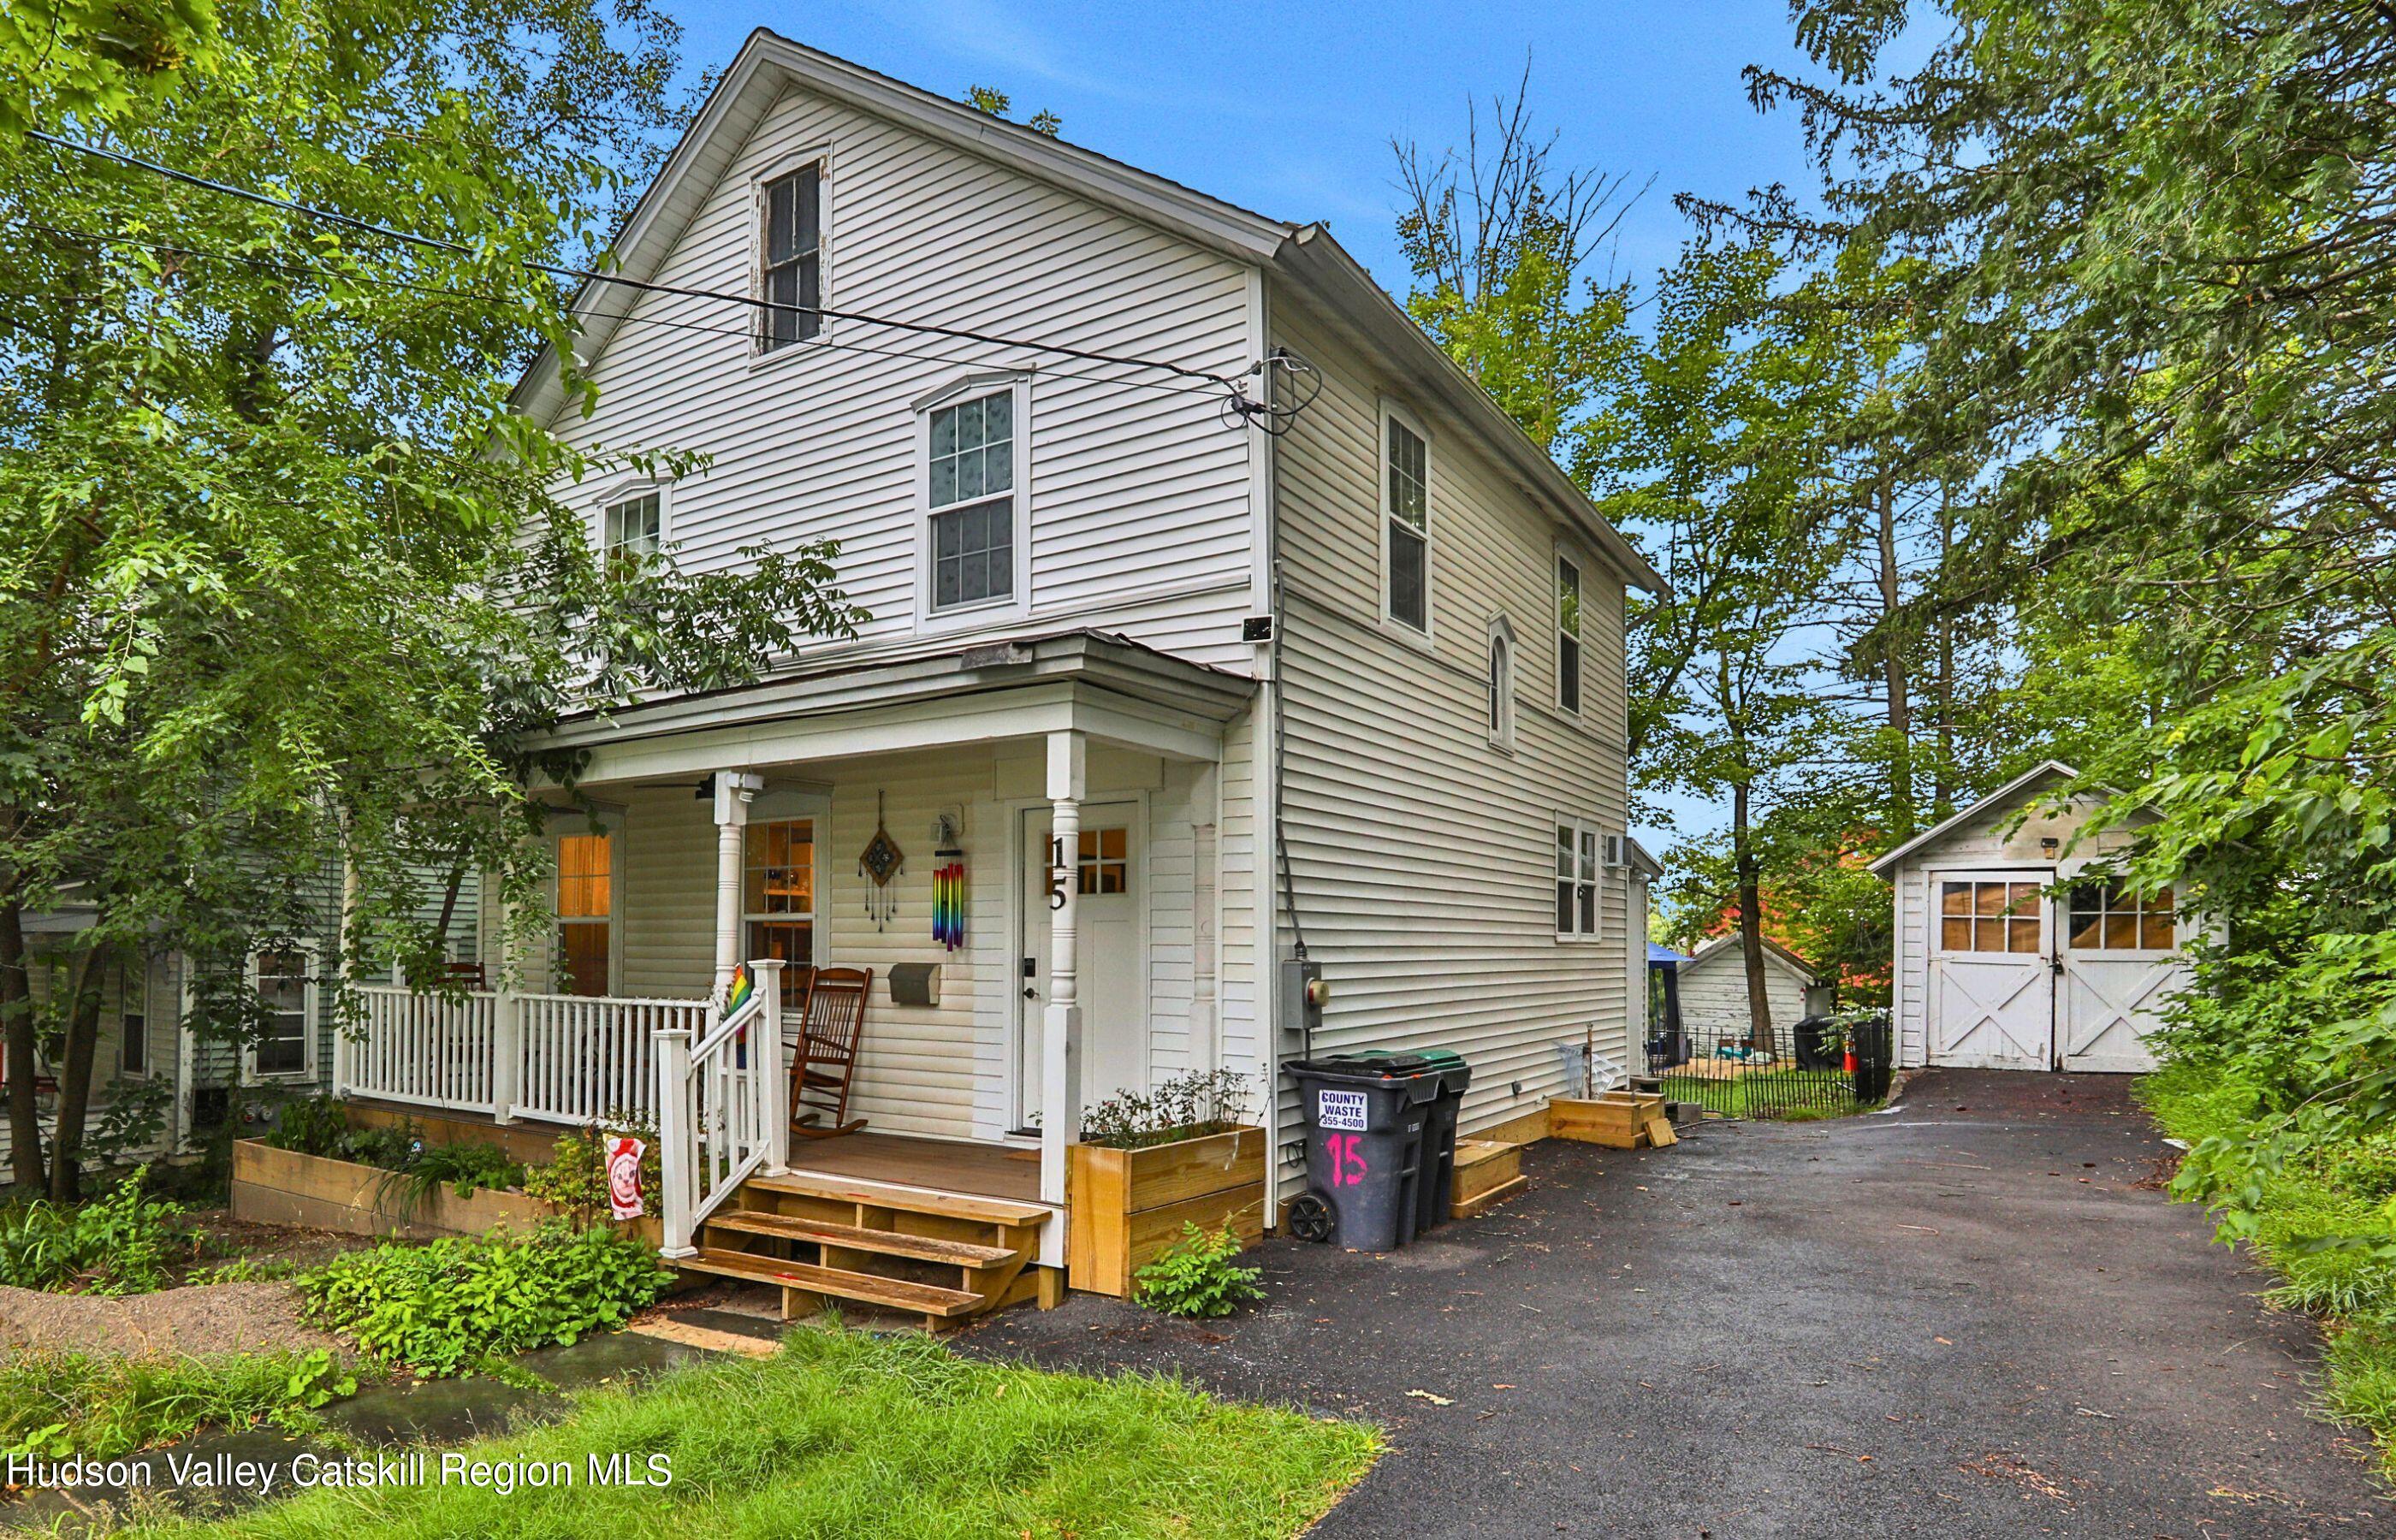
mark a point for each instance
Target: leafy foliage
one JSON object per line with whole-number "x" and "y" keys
{"x": 1188, "y": 1106}
{"x": 119, "y": 1244}
{"x": 442, "y": 1308}
{"x": 575, "y": 1179}
{"x": 1196, "y": 1276}
{"x": 99, "y": 1406}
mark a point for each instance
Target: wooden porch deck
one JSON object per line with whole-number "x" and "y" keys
{"x": 945, "y": 1165}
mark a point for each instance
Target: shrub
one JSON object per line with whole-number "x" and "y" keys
{"x": 1189, "y": 1106}
{"x": 119, "y": 1244}
{"x": 444, "y": 1307}
{"x": 312, "y": 1126}
{"x": 99, "y": 1406}
{"x": 574, "y": 1180}
{"x": 1197, "y": 1277}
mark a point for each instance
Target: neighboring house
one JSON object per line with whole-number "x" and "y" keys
{"x": 1715, "y": 995}
{"x": 1996, "y": 968}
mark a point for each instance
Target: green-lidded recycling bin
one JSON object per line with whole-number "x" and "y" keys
{"x": 1381, "y": 1145}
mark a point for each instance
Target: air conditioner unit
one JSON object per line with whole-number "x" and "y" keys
{"x": 1618, "y": 850}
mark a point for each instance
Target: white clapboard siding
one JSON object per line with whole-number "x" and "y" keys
{"x": 1713, "y": 994}
{"x": 1423, "y": 855}
{"x": 1139, "y": 512}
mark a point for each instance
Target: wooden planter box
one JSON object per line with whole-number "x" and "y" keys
{"x": 1620, "y": 1120}
{"x": 1128, "y": 1206}
{"x": 282, "y": 1187}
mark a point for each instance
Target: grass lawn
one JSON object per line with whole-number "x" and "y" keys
{"x": 1797, "y": 1096}
{"x": 844, "y": 1434}
{"x": 2349, "y": 1192}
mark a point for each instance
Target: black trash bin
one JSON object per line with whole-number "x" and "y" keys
{"x": 1435, "y": 1185}
{"x": 1812, "y": 1052}
{"x": 1369, "y": 1156}
{"x": 1872, "y": 1043}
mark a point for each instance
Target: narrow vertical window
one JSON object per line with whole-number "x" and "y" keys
{"x": 778, "y": 887}
{"x": 972, "y": 501}
{"x": 1576, "y": 878}
{"x": 1567, "y": 635}
{"x": 586, "y": 911}
{"x": 1406, "y": 494}
{"x": 286, "y": 1002}
{"x": 791, "y": 248}
{"x": 1500, "y": 712}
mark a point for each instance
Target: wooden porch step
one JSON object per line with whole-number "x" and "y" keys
{"x": 823, "y": 1232}
{"x": 895, "y": 1293}
{"x": 890, "y": 1195}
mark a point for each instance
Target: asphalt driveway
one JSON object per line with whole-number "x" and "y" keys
{"x": 1973, "y": 1316}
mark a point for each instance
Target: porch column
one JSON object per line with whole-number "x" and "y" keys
{"x": 734, "y": 791}
{"x": 1060, "y": 1039}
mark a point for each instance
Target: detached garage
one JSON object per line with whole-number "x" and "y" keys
{"x": 1994, "y": 972}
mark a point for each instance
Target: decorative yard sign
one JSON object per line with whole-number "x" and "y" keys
{"x": 624, "y": 1178}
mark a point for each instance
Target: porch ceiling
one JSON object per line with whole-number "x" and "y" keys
{"x": 1112, "y": 690}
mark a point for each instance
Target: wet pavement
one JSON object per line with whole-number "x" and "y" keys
{"x": 1972, "y": 1316}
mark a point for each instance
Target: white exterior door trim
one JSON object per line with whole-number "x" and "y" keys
{"x": 1019, "y": 928}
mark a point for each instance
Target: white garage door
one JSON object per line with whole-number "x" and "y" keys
{"x": 2121, "y": 967}
{"x": 1991, "y": 1003}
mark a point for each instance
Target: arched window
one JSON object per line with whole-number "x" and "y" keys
{"x": 1500, "y": 714}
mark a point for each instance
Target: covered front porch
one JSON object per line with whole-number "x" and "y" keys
{"x": 1025, "y": 845}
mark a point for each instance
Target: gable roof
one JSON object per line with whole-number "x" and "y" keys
{"x": 1772, "y": 949}
{"x": 2043, "y": 774}
{"x": 1306, "y": 256}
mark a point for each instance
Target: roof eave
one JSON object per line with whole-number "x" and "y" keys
{"x": 2043, "y": 770}
{"x": 1320, "y": 266}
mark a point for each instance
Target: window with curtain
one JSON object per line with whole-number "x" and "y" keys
{"x": 586, "y": 912}
{"x": 778, "y": 900}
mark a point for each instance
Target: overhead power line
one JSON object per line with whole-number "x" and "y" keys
{"x": 1262, "y": 412}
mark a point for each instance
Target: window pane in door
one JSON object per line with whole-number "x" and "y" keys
{"x": 791, "y": 940}
{"x": 582, "y": 958}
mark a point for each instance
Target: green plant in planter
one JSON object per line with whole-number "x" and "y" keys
{"x": 1197, "y": 1277}
{"x": 1188, "y": 1106}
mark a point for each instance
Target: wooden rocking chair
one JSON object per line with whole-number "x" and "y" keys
{"x": 831, "y": 1020}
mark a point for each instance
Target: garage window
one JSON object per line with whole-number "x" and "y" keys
{"x": 1988, "y": 917}
{"x": 2112, "y": 917}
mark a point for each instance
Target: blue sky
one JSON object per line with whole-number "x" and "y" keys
{"x": 1290, "y": 109}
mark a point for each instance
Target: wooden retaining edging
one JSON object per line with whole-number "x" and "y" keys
{"x": 282, "y": 1187}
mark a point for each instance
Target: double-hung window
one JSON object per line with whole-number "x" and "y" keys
{"x": 1567, "y": 634}
{"x": 634, "y": 527}
{"x": 1406, "y": 514}
{"x": 790, "y": 253}
{"x": 1576, "y": 878}
{"x": 286, "y": 1028}
{"x": 972, "y": 502}
{"x": 1405, "y": 520}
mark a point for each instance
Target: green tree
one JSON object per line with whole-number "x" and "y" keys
{"x": 1712, "y": 452}
{"x": 997, "y": 103}
{"x": 287, "y": 584}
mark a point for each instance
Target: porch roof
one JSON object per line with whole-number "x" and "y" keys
{"x": 1114, "y": 689}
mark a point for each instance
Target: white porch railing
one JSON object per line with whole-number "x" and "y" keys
{"x": 559, "y": 1059}
{"x": 720, "y": 1108}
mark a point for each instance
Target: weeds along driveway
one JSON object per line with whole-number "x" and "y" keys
{"x": 1974, "y": 1316}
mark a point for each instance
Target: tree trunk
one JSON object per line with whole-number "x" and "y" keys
{"x": 17, "y": 1008}
{"x": 1892, "y": 649}
{"x": 1942, "y": 792}
{"x": 1750, "y": 924}
{"x": 75, "y": 1062}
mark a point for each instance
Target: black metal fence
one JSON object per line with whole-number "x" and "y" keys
{"x": 1819, "y": 1068}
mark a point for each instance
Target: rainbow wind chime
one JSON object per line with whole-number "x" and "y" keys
{"x": 949, "y": 899}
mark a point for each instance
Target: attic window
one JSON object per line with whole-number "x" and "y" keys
{"x": 792, "y": 250}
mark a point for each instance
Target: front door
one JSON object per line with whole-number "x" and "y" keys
{"x": 2121, "y": 964}
{"x": 1112, "y": 958}
{"x": 1991, "y": 1003}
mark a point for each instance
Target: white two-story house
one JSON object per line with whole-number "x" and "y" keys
{"x": 1166, "y": 693}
